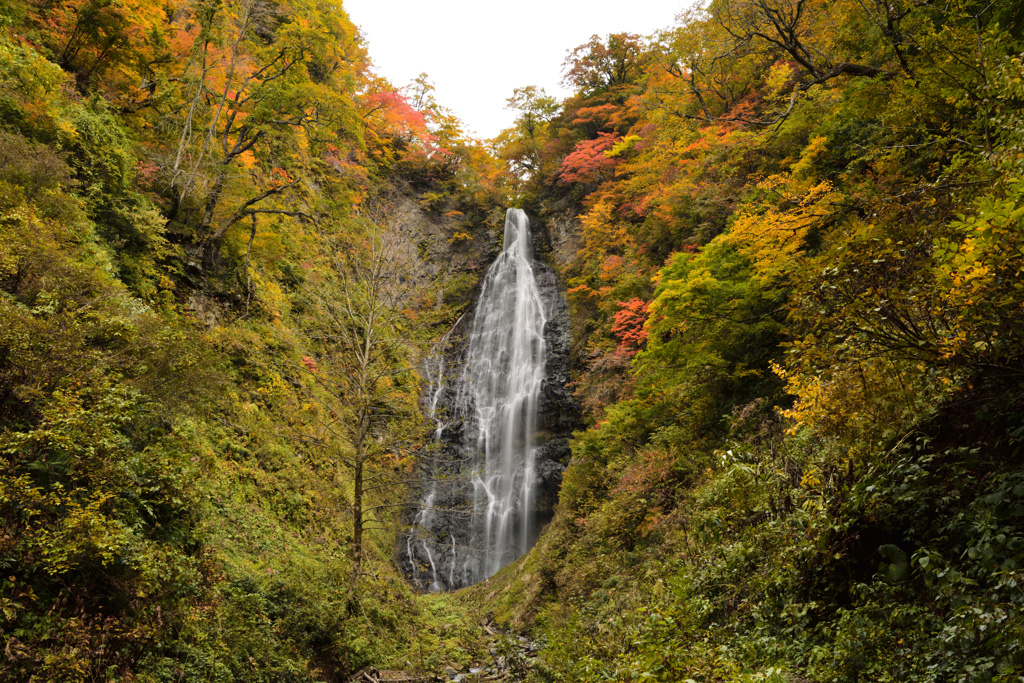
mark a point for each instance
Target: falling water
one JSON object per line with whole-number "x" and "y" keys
{"x": 500, "y": 388}
{"x": 488, "y": 496}
{"x": 435, "y": 371}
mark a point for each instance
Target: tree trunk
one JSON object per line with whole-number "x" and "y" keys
{"x": 200, "y": 256}
{"x": 213, "y": 199}
{"x": 357, "y": 517}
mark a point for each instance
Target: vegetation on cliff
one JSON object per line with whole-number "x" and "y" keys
{"x": 186, "y": 190}
{"x": 797, "y": 292}
{"x": 792, "y": 234}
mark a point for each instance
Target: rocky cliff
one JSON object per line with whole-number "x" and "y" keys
{"x": 442, "y": 496}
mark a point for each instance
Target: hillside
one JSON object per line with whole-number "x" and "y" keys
{"x": 186, "y": 190}
{"x": 796, "y": 289}
{"x": 791, "y": 237}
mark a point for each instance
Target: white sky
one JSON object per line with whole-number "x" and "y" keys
{"x": 476, "y": 52}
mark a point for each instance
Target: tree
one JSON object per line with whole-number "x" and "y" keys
{"x": 522, "y": 145}
{"x": 712, "y": 329}
{"x": 105, "y": 44}
{"x": 591, "y": 160}
{"x": 364, "y": 387}
{"x": 611, "y": 68}
{"x": 263, "y": 93}
{"x": 606, "y": 76}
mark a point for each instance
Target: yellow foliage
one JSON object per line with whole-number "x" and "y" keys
{"x": 32, "y": 81}
{"x": 811, "y": 478}
{"x": 603, "y": 233}
{"x": 812, "y": 151}
{"x": 862, "y": 403}
{"x": 777, "y": 81}
{"x": 978, "y": 276}
{"x": 773, "y": 235}
{"x": 247, "y": 159}
{"x": 82, "y": 529}
{"x": 623, "y": 145}
{"x": 578, "y": 288}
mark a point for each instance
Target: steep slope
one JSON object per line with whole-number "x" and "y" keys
{"x": 178, "y": 468}
{"x": 792, "y": 248}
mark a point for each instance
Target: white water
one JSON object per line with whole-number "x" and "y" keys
{"x": 490, "y": 501}
{"x": 435, "y": 371}
{"x": 499, "y": 393}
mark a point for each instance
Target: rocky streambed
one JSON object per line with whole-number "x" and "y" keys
{"x": 510, "y": 658}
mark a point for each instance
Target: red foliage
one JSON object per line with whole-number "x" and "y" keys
{"x": 642, "y": 486}
{"x": 597, "y": 115}
{"x": 629, "y": 327}
{"x": 652, "y": 470}
{"x": 611, "y": 267}
{"x": 588, "y": 162}
{"x": 395, "y": 115}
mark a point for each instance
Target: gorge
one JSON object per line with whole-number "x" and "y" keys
{"x": 288, "y": 396}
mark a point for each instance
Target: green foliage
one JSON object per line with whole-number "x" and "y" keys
{"x": 163, "y": 515}
{"x": 130, "y": 225}
{"x": 810, "y": 468}
{"x": 30, "y": 96}
{"x": 713, "y": 327}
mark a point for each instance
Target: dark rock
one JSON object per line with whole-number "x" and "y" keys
{"x": 426, "y": 555}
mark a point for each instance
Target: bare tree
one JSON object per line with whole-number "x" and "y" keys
{"x": 359, "y": 323}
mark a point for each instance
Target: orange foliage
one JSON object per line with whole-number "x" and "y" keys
{"x": 629, "y": 326}
{"x": 589, "y": 161}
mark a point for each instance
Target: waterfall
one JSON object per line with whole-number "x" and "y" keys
{"x": 500, "y": 387}
{"x": 481, "y": 481}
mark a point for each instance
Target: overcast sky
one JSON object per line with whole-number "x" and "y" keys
{"x": 476, "y": 52}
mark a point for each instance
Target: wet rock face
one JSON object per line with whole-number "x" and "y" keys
{"x": 440, "y": 519}
{"x": 559, "y": 225}
{"x": 558, "y": 411}
{"x": 423, "y": 244}
{"x": 557, "y": 415}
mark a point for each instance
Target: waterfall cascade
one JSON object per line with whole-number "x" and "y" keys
{"x": 476, "y": 512}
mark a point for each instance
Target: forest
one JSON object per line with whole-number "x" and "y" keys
{"x": 791, "y": 238}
